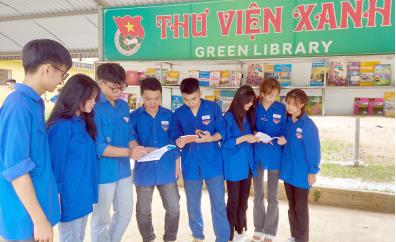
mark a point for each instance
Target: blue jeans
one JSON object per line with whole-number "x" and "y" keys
{"x": 107, "y": 228}
{"x": 73, "y": 231}
{"x": 215, "y": 187}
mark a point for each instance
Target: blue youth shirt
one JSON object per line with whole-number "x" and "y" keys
{"x": 238, "y": 159}
{"x": 73, "y": 157}
{"x": 24, "y": 150}
{"x": 113, "y": 128}
{"x": 154, "y": 132}
{"x": 271, "y": 122}
{"x": 301, "y": 154}
{"x": 203, "y": 160}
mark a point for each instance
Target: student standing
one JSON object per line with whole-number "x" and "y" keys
{"x": 71, "y": 135}
{"x": 201, "y": 158}
{"x": 270, "y": 119}
{"x": 113, "y": 150}
{"x": 29, "y": 204}
{"x": 300, "y": 163}
{"x": 151, "y": 126}
{"x": 239, "y": 165}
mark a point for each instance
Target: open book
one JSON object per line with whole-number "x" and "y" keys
{"x": 156, "y": 154}
{"x": 265, "y": 138}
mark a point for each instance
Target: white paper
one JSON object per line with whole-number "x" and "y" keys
{"x": 265, "y": 138}
{"x": 156, "y": 154}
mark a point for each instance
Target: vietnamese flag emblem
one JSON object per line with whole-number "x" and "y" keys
{"x": 130, "y": 26}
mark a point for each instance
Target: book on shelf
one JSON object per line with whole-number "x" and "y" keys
{"x": 389, "y": 104}
{"x": 176, "y": 102}
{"x": 255, "y": 74}
{"x": 268, "y": 70}
{"x": 204, "y": 78}
{"x": 194, "y": 74}
{"x": 318, "y": 72}
{"x": 367, "y": 71}
{"x": 125, "y": 96}
{"x": 361, "y": 105}
{"x": 337, "y": 74}
{"x": 382, "y": 75}
{"x": 376, "y": 106}
{"x": 282, "y": 72}
{"x": 214, "y": 78}
{"x": 236, "y": 78}
{"x": 160, "y": 74}
{"x": 353, "y": 73}
{"x": 314, "y": 106}
{"x": 132, "y": 78}
{"x": 224, "y": 98}
{"x": 224, "y": 78}
{"x": 172, "y": 77}
{"x": 210, "y": 97}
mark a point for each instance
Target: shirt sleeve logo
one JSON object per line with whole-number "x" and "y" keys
{"x": 206, "y": 119}
{"x": 126, "y": 119}
{"x": 165, "y": 125}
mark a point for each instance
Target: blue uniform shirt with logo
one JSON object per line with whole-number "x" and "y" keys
{"x": 113, "y": 128}
{"x": 238, "y": 159}
{"x": 73, "y": 157}
{"x": 301, "y": 154}
{"x": 24, "y": 150}
{"x": 271, "y": 122}
{"x": 200, "y": 160}
{"x": 154, "y": 132}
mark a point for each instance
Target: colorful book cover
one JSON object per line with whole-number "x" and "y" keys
{"x": 367, "y": 70}
{"x": 224, "y": 78}
{"x": 255, "y": 74}
{"x": 282, "y": 72}
{"x": 176, "y": 102}
{"x": 382, "y": 75}
{"x": 337, "y": 74}
{"x": 132, "y": 101}
{"x": 376, "y": 106}
{"x": 389, "y": 104}
{"x": 132, "y": 78}
{"x": 353, "y": 73}
{"x": 214, "y": 79}
{"x": 151, "y": 72}
{"x": 361, "y": 106}
{"x": 141, "y": 75}
{"x": 314, "y": 106}
{"x": 318, "y": 73}
{"x": 125, "y": 96}
{"x": 236, "y": 78}
{"x": 172, "y": 77}
{"x": 139, "y": 101}
{"x": 204, "y": 77}
{"x": 224, "y": 99}
{"x": 210, "y": 97}
{"x": 193, "y": 74}
{"x": 268, "y": 70}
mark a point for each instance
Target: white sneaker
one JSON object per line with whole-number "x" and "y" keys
{"x": 240, "y": 237}
{"x": 197, "y": 240}
{"x": 291, "y": 239}
{"x": 270, "y": 237}
{"x": 257, "y": 237}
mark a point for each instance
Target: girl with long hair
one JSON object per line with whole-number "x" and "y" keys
{"x": 239, "y": 165}
{"x": 72, "y": 134}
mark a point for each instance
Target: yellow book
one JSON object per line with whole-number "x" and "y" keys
{"x": 367, "y": 72}
{"x": 389, "y": 104}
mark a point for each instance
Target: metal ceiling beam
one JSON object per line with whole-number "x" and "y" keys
{"x": 49, "y": 15}
{"x": 83, "y": 53}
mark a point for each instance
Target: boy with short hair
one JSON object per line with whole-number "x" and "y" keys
{"x": 29, "y": 204}
{"x": 151, "y": 126}
{"x": 113, "y": 150}
{"x": 201, "y": 158}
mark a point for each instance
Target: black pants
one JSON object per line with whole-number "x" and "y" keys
{"x": 237, "y": 204}
{"x": 298, "y": 212}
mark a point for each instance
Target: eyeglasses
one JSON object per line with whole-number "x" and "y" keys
{"x": 65, "y": 75}
{"x": 117, "y": 89}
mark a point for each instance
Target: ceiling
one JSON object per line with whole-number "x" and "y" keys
{"x": 74, "y": 23}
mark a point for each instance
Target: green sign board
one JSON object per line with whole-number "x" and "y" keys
{"x": 235, "y": 29}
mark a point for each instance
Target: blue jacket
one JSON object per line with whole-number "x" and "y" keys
{"x": 202, "y": 160}
{"x": 154, "y": 132}
{"x": 24, "y": 150}
{"x": 238, "y": 159}
{"x": 75, "y": 166}
{"x": 113, "y": 128}
{"x": 271, "y": 122}
{"x": 301, "y": 155}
